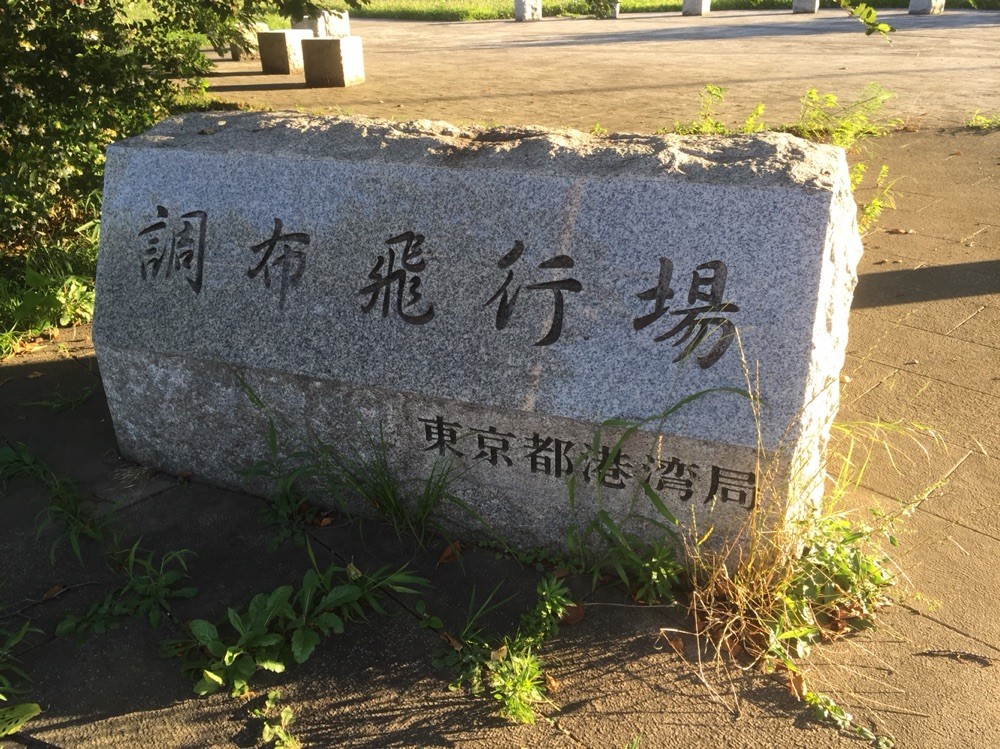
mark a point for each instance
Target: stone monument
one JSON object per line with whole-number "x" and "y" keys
{"x": 485, "y": 300}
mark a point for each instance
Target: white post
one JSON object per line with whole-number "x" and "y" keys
{"x": 805, "y": 6}
{"x": 527, "y": 10}
{"x": 696, "y": 7}
{"x": 926, "y": 7}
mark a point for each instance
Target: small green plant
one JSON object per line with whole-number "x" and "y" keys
{"x": 150, "y": 586}
{"x": 823, "y": 118}
{"x": 302, "y": 479}
{"x": 10, "y": 672}
{"x": 66, "y": 513}
{"x": 12, "y": 717}
{"x": 59, "y": 402}
{"x": 826, "y": 710}
{"x": 707, "y": 123}
{"x": 984, "y": 122}
{"x": 511, "y": 672}
{"x": 869, "y": 213}
{"x": 283, "y": 626}
{"x": 598, "y": 131}
{"x": 275, "y": 722}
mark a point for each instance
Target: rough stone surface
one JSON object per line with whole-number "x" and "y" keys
{"x": 527, "y": 10}
{"x": 282, "y": 280}
{"x": 926, "y": 7}
{"x": 805, "y": 6}
{"x": 329, "y": 23}
{"x": 696, "y": 7}
{"x": 333, "y": 62}
{"x": 247, "y": 49}
{"x": 281, "y": 51}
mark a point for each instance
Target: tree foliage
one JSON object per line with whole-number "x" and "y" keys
{"x": 74, "y": 76}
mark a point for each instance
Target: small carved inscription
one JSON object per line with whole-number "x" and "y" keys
{"x": 547, "y": 455}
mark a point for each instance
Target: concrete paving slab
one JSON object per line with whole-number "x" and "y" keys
{"x": 644, "y": 71}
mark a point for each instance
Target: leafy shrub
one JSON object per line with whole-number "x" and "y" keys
{"x": 74, "y": 76}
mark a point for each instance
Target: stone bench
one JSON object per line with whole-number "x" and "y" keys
{"x": 489, "y": 298}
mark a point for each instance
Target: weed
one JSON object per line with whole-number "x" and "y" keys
{"x": 516, "y": 681}
{"x": 12, "y": 717}
{"x": 706, "y": 124}
{"x": 66, "y": 512}
{"x": 467, "y": 653}
{"x": 511, "y": 671}
{"x": 984, "y": 122}
{"x": 283, "y": 626}
{"x": 59, "y": 402}
{"x": 870, "y": 212}
{"x": 10, "y": 672}
{"x": 823, "y": 118}
{"x": 825, "y": 710}
{"x": 344, "y": 475}
{"x": 275, "y": 722}
{"x": 149, "y": 588}
{"x": 598, "y": 131}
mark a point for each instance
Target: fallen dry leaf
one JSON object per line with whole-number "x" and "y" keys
{"x": 797, "y": 686}
{"x": 573, "y": 614}
{"x": 34, "y": 375}
{"x": 450, "y": 553}
{"x": 551, "y": 683}
{"x": 900, "y": 231}
{"x": 53, "y": 591}
{"x": 448, "y": 638}
{"x": 499, "y": 654}
{"x": 321, "y": 521}
{"x": 558, "y": 573}
{"x": 676, "y": 644}
{"x": 5, "y": 380}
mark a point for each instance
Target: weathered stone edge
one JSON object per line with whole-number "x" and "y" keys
{"x": 763, "y": 159}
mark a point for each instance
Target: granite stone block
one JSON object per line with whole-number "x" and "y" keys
{"x": 527, "y": 10}
{"x": 926, "y": 7}
{"x": 486, "y": 299}
{"x": 696, "y": 7}
{"x": 281, "y": 51}
{"x": 330, "y": 62}
{"x": 328, "y": 23}
{"x": 805, "y": 6}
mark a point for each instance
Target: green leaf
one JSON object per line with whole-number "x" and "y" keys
{"x": 12, "y": 718}
{"x": 794, "y": 634}
{"x": 245, "y": 666}
{"x": 269, "y": 664}
{"x": 658, "y": 503}
{"x": 339, "y": 596}
{"x": 304, "y": 641}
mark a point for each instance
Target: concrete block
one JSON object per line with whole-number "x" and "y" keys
{"x": 328, "y": 23}
{"x": 333, "y": 62}
{"x": 926, "y": 7}
{"x": 696, "y": 7}
{"x": 489, "y": 298}
{"x": 527, "y": 10}
{"x": 247, "y": 49}
{"x": 281, "y": 51}
{"x": 805, "y": 6}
